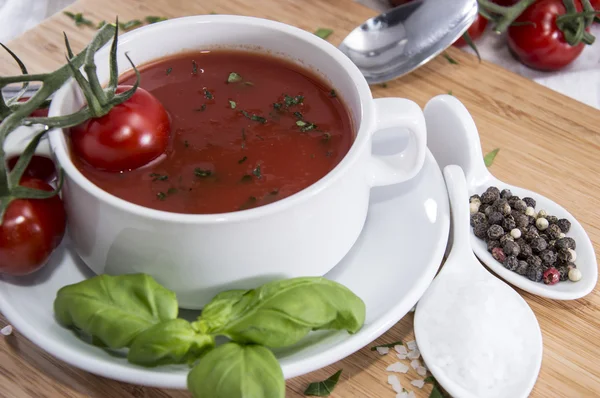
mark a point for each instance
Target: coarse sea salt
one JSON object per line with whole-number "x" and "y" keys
{"x": 395, "y": 383}
{"x": 469, "y": 340}
{"x": 421, "y": 370}
{"x": 403, "y": 394}
{"x": 397, "y": 367}
{"x": 401, "y": 356}
{"x": 400, "y": 349}
{"x": 414, "y": 354}
{"x": 418, "y": 383}
{"x": 383, "y": 350}
{"x": 415, "y": 364}
{"x": 6, "y": 330}
{"x": 412, "y": 345}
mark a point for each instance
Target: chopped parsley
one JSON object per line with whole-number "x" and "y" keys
{"x": 257, "y": 172}
{"x": 169, "y": 70}
{"x": 323, "y": 33}
{"x": 79, "y": 19}
{"x": 234, "y": 78}
{"x": 243, "y": 138}
{"x": 161, "y": 196}
{"x": 254, "y": 117}
{"x": 300, "y": 123}
{"x": 134, "y": 23}
{"x": 305, "y": 126}
{"x": 242, "y": 160}
{"x": 159, "y": 177}
{"x": 290, "y": 101}
{"x": 198, "y": 172}
{"x": 249, "y": 202}
{"x": 171, "y": 191}
{"x": 277, "y": 106}
{"x": 208, "y": 95}
{"x": 232, "y": 104}
{"x": 201, "y": 109}
{"x": 332, "y": 93}
{"x": 194, "y": 68}
{"x": 298, "y": 115}
{"x": 246, "y": 178}
{"x": 154, "y": 19}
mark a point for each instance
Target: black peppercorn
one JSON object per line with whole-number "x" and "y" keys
{"x": 520, "y": 206}
{"x": 551, "y": 245}
{"x": 509, "y": 223}
{"x": 552, "y": 219}
{"x": 511, "y": 263}
{"x": 522, "y": 268}
{"x": 532, "y": 220}
{"x": 548, "y": 257}
{"x": 505, "y": 238}
{"x": 564, "y": 225}
{"x": 564, "y": 256}
{"x": 495, "y": 218}
{"x": 511, "y": 248}
{"x": 563, "y": 272}
{"x": 535, "y": 273}
{"x": 521, "y": 220}
{"x": 492, "y": 244}
{"x": 538, "y": 245}
{"x": 495, "y": 232}
{"x": 505, "y": 194}
{"x": 565, "y": 243}
{"x": 534, "y": 261}
{"x": 478, "y": 218}
{"x": 531, "y": 234}
{"x": 512, "y": 200}
{"x": 475, "y": 198}
{"x": 483, "y": 207}
{"x": 529, "y": 201}
{"x": 490, "y": 195}
{"x": 489, "y": 210}
{"x": 553, "y": 232}
{"x": 480, "y": 230}
{"x": 545, "y": 237}
{"x": 524, "y": 249}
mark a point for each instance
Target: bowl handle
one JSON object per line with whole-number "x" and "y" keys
{"x": 401, "y": 114}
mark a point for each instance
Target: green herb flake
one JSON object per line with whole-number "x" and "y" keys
{"x": 450, "y": 59}
{"x": 323, "y": 388}
{"x": 307, "y": 126}
{"x": 388, "y": 345}
{"x": 198, "y": 172}
{"x": 159, "y": 177}
{"x": 332, "y": 93}
{"x": 489, "y": 158}
{"x": 249, "y": 83}
{"x": 208, "y": 95}
{"x": 300, "y": 123}
{"x": 79, "y": 19}
{"x": 246, "y": 178}
{"x": 254, "y": 117}
{"x": 161, "y": 196}
{"x": 195, "y": 69}
{"x": 234, "y": 78}
{"x": 277, "y": 106}
{"x": 100, "y": 24}
{"x": 201, "y": 109}
{"x": 383, "y": 85}
{"x": 171, "y": 191}
{"x": 169, "y": 70}
{"x": 290, "y": 101}
{"x": 232, "y": 104}
{"x": 242, "y": 160}
{"x": 323, "y": 33}
{"x": 450, "y": 92}
{"x": 134, "y": 23}
{"x": 298, "y": 115}
{"x": 257, "y": 172}
{"x": 251, "y": 201}
{"x": 150, "y": 19}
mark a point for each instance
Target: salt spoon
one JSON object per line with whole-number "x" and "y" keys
{"x": 453, "y": 139}
{"x": 477, "y": 335}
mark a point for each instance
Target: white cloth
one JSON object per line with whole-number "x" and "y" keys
{"x": 580, "y": 80}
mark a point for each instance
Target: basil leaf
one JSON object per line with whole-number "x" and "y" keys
{"x": 169, "y": 342}
{"x": 325, "y": 387}
{"x": 216, "y": 313}
{"x": 280, "y": 313}
{"x": 237, "y": 371}
{"x": 488, "y": 159}
{"x": 323, "y": 33}
{"x": 115, "y": 309}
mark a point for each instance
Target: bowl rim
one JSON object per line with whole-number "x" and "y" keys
{"x": 57, "y": 142}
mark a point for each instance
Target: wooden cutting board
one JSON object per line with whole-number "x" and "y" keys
{"x": 548, "y": 143}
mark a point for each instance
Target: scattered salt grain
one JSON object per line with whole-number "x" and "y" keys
{"x": 383, "y": 350}
{"x": 421, "y": 370}
{"x": 412, "y": 345}
{"x": 6, "y": 330}
{"x": 403, "y": 394}
{"x": 418, "y": 383}
{"x": 414, "y": 354}
{"x": 415, "y": 364}
{"x": 397, "y": 367}
{"x": 411, "y": 395}
{"x": 400, "y": 349}
{"x": 401, "y": 356}
{"x": 395, "y": 383}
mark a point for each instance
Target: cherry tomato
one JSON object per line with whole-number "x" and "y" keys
{"x": 542, "y": 46}
{"x": 129, "y": 136}
{"x": 30, "y": 231}
{"x": 475, "y": 31}
{"x": 39, "y": 167}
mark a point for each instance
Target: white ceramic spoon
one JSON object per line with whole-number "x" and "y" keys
{"x": 477, "y": 335}
{"x": 453, "y": 139}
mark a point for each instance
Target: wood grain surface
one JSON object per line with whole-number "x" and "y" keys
{"x": 548, "y": 143}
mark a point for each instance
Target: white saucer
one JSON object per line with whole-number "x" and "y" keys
{"x": 390, "y": 267}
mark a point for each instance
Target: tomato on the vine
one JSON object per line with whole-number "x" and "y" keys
{"x": 540, "y": 44}
{"x": 475, "y": 31}
{"x": 39, "y": 167}
{"x": 131, "y": 135}
{"x": 30, "y": 231}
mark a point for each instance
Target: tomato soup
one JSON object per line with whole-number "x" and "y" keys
{"x": 247, "y": 129}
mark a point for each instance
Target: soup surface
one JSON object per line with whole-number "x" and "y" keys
{"x": 247, "y": 129}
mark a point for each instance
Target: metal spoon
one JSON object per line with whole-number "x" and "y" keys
{"x": 453, "y": 139}
{"x": 406, "y": 37}
{"x": 477, "y": 335}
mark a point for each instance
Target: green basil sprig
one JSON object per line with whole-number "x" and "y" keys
{"x": 237, "y": 371}
{"x": 115, "y": 309}
{"x": 280, "y": 313}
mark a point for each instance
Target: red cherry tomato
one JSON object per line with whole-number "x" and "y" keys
{"x": 542, "y": 46}
{"x": 475, "y": 31}
{"x": 30, "y": 231}
{"x": 39, "y": 167}
{"x": 129, "y": 136}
